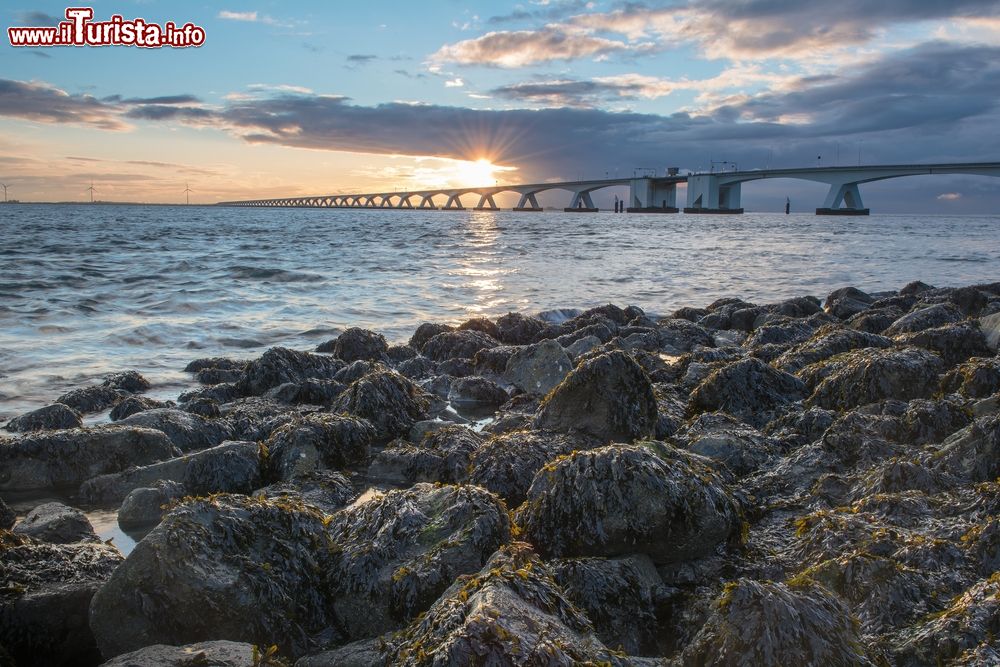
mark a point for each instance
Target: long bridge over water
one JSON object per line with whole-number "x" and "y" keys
{"x": 711, "y": 192}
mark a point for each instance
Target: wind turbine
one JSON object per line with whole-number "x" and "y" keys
{"x": 187, "y": 194}
{"x": 91, "y": 191}
{"x": 4, "y": 186}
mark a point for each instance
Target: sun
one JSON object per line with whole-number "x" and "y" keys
{"x": 479, "y": 173}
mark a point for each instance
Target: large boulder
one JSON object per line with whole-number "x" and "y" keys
{"x": 232, "y": 467}
{"x": 56, "y": 523}
{"x": 187, "y": 431}
{"x": 67, "y": 458}
{"x": 476, "y": 393}
{"x": 144, "y": 507}
{"x": 826, "y": 345}
{"x": 397, "y": 553}
{"x": 457, "y": 345}
{"x": 280, "y": 365}
{"x": 360, "y": 344}
{"x": 539, "y": 368}
{"x": 318, "y": 441}
{"x": 135, "y": 404}
{"x": 749, "y": 390}
{"x": 511, "y": 612}
{"x": 929, "y": 317}
{"x": 243, "y": 568}
{"x": 51, "y": 417}
{"x": 870, "y": 375}
{"x": 389, "y": 401}
{"x": 425, "y": 332}
{"x": 45, "y": 597}
{"x": 442, "y": 455}
{"x": 772, "y": 625}
{"x": 210, "y": 654}
{"x": 518, "y": 329}
{"x": 507, "y": 463}
{"x": 608, "y": 397}
{"x": 972, "y": 454}
{"x": 92, "y": 399}
{"x": 326, "y": 490}
{"x": 954, "y": 343}
{"x": 131, "y": 381}
{"x": 647, "y": 498}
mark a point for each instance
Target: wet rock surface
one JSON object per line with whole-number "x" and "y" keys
{"x": 51, "y": 417}
{"x": 56, "y": 523}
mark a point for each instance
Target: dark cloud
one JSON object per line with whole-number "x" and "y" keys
{"x": 165, "y": 99}
{"x": 161, "y": 112}
{"x": 557, "y": 10}
{"x": 43, "y": 103}
{"x": 359, "y": 59}
{"x": 584, "y": 93}
{"x": 410, "y": 75}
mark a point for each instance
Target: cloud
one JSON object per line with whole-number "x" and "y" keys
{"x": 41, "y": 102}
{"x": 358, "y": 59}
{"x": 454, "y": 83}
{"x": 528, "y": 47}
{"x": 226, "y": 15}
{"x": 552, "y": 11}
{"x": 38, "y": 19}
{"x": 950, "y": 196}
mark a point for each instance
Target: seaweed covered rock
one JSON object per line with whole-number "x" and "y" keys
{"x": 929, "y": 317}
{"x": 46, "y": 593}
{"x": 92, "y": 399}
{"x": 977, "y": 378}
{"x": 826, "y": 345}
{"x": 67, "y": 458}
{"x": 622, "y": 597}
{"x": 539, "y": 368}
{"x": 457, "y": 345}
{"x": 866, "y": 376}
{"x": 772, "y": 624}
{"x": 717, "y": 436}
{"x": 397, "y": 553}
{"x": 389, "y": 401}
{"x": 250, "y": 569}
{"x": 135, "y": 404}
{"x": 131, "y": 381}
{"x": 749, "y": 390}
{"x": 56, "y": 523}
{"x": 425, "y": 332}
{"x": 511, "y": 612}
{"x": 187, "y": 431}
{"x": 443, "y": 455}
{"x": 647, "y": 498}
{"x": 518, "y": 329}
{"x": 507, "y": 463}
{"x": 482, "y": 324}
{"x": 307, "y": 392}
{"x": 954, "y": 343}
{"x": 476, "y": 392}
{"x": 608, "y": 397}
{"x": 318, "y": 441}
{"x": 219, "y": 653}
{"x": 280, "y": 365}
{"x": 972, "y": 454}
{"x": 356, "y": 344}
{"x": 144, "y": 506}
{"x": 990, "y": 326}
{"x": 51, "y": 417}
{"x": 231, "y": 467}
{"x": 7, "y": 516}
{"x": 326, "y": 490}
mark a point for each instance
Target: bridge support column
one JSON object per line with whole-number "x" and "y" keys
{"x": 404, "y": 201}
{"x": 581, "y": 203}
{"x": 706, "y": 194}
{"x": 484, "y": 200}
{"x": 843, "y": 199}
{"x": 527, "y": 202}
{"x": 454, "y": 203}
{"x": 648, "y": 196}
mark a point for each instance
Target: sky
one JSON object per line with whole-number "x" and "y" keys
{"x": 300, "y": 98}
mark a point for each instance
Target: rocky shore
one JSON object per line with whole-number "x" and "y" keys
{"x": 810, "y": 482}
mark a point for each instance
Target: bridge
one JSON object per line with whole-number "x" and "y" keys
{"x": 711, "y": 192}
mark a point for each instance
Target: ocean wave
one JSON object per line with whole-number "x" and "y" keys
{"x": 275, "y": 275}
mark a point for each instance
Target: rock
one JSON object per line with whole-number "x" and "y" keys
{"x": 67, "y": 458}
{"x": 925, "y": 318}
{"x": 256, "y": 419}
{"x": 507, "y": 463}
{"x": 92, "y": 399}
{"x": 972, "y": 454}
{"x": 608, "y": 397}
{"x": 7, "y": 516}
{"x": 56, "y": 523}
{"x": 398, "y": 553}
{"x": 203, "y": 407}
{"x": 318, "y": 441}
{"x": 990, "y": 326}
{"x": 390, "y": 402}
{"x": 875, "y": 320}
{"x": 326, "y": 490}
{"x": 517, "y": 329}
{"x": 583, "y": 346}
{"x": 970, "y": 300}
{"x": 226, "y": 392}
{"x": 599, "y": 330}
{"x": 417, "y": 368}
{"x": 442, "y": 456}
{"x": 870, "y": 375}
{"x": 789, "y": 332}
{"x": 134, "y": 404}
{"x": 360, "y": 344}
{"x": 425, "y": 332}
{"x": 143, "y": 507}
{"x": 306, "y": 392}
{"x": 232, "y": 467}
{"x": 915, "y": 287}
{"x": 538, "y": 368}
{"x": 717, "y": 436}
{"x": 362, "y": 653}
{"x": 457, "y": 345}
{"x": 280, "y": 365}
{"x": 187, "y": 431}
{"x": 481, "y": 324}
{"x": 849, "y": 293}
{"x": 211, "y": 654}
{"x": 772, "y": 624}
{"x": 457, "y": 368}
{"x": 492, "y": 361}
{"x": 400, "y": 353}
{"x": 826, "y": 345}
{"x": 47, "y": 590}
{"x": 648, "y": 498}
{"x": 683, "y": 336}
{"x": 930, "y": 421}
{"x": 213, "y": 376}
{"x": 511, "y": 612}
{"x": 476, "y": 391}
{"x": 749, "y": 390}
{"x": 222, "y": 363}
{"x": 357, "y": 370}
{"x": 130, "y": 381}
{"x": 55, "y": 416}
{"x": 250, "y": 569}
{"x": 977, "y": 378}
{"x": 954, "y": 343}
{"x": 621, "y": 596}
{"x": 847, "y": 307}
{"x": 690, "y": 314}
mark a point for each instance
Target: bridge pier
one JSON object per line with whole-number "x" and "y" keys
{"x": 485, "y": 199}
{"x": 843, "y": 199}
{"x": 528, "y": 202}
{"x": 581, "y": 203}
{"x": 454, "y": 203}
{"x": 707, "y": 194}
{"x": 648, "y": 196}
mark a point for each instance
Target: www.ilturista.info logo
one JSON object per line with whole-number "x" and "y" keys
{"x": 80, "y": 30}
